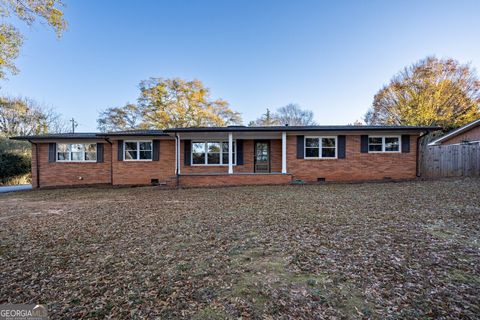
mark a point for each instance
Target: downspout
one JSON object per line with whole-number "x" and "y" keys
{"x": 417, "y": 168}
{"x": 177, "y": 159}
{"x": 111, "y": 160}
{"x": 37, "y": 167}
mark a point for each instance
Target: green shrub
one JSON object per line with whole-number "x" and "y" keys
{"x": 13, "y": 166}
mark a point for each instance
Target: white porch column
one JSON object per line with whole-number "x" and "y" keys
{"x": 230, "y": 153}
{"x": 284, "y": 152}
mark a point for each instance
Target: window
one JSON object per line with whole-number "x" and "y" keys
{"x": 77, "y": 152}
{"x": 211, "y": 153}
{"x": 383, "y": 144}
{"x": 321, "y": 147}
{"x": 138, "y": 150}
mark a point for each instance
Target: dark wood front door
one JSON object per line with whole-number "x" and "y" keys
{"x": 262, "y": 157}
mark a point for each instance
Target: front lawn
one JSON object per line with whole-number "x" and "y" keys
{"x": 382, "y": 250}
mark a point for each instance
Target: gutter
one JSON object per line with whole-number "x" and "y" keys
{"x": 417, "y": 155}
{"x": 37, "y": 167}
{"x": 111, "y": 160}
{"x": 300, "y": 129}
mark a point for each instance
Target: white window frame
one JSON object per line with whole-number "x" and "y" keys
{"x": 234, "y": 158}
{"x": 70, "y": 152}
{"x": 320, "y": 147}
{"x": 138, "y": 150}
{"x": 383, "y": 144}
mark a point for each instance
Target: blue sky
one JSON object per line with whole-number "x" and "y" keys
{"x": 328, "y": 56}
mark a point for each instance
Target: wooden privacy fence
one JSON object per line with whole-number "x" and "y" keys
{"x": 450, "y": 160}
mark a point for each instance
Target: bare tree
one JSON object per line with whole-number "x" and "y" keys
{"x": 23, "y": 116}
{"x": 293, "y": 115}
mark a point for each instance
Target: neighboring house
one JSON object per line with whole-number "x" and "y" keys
{"x": 234, "y": 155}
{"x": 468, "y": 134}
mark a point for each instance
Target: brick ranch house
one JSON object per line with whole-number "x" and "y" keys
{"x": 234, "y": 155}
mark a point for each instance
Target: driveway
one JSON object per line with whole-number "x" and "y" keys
{"x": 15, "y": 188}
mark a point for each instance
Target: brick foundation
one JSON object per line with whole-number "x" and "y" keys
{"x": 233, "y": 179}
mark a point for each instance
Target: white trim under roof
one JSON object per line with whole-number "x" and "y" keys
{"x": 455, "y": 132}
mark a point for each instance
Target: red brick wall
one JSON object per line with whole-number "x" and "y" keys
{"x": 34, "y": 166}
{"x": 276, "y": 155}
{"x": 471, "y": 135}
{"x": 234, "y": 179}
{"x": 124, "y": 172}
{"x": 69, "y": 173}
{"x": 141, "y": 172}
{"x": 356, "y": 166}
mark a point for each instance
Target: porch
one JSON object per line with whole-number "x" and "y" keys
{"x": 240, "y": 155}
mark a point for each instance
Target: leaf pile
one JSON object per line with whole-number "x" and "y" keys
{"x": 380, "y": 250}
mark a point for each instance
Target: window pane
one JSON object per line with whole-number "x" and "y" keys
{"x": 198, "y": 147}
{"x": 131, "y": 155}
{"x": 311, "y": 142}
{"x": 225, "y": 158}
{"x": 225, "y": 152}
{"x": 225, "y": 146}
{"x": 90, "y": 151}
{"x": 392, "y": 144}
{"x": 375, "y": 140}
{"x": 213, "y": 158}
{"x": 90, "y": 156}
{"x": 213, "y": 147}
{"x": 328, "y": 153}
{"x": 145, "y": 146}
{"x": 62, "y": 147}
{"x": 130, "y": 146}
{"x": 77, "y": 147}
{"x": 77, "y": 156}
{"x": 198, "y": 158}
{"x": 92, "y": 147}
{"x": 328, "y": 142}
{"x": 63, "y": 155}
{"x": 375, "y": 147}
{"x": 145, "y": 155}
{"x": 311, "y": 152}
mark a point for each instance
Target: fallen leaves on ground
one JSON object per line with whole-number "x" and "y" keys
{"x": 340, "y": 251}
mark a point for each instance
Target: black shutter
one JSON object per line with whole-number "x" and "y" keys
{"x": 99, "y": 152}
{"x": 341, "y": 147}
{"x": 364, "y": 144}
{"x": 300, "y": 147}
{"x": 52, "y": 150}
{"x": 188, "y": 152}
{"x": 405, "y": 143}
{"x": 120, "y": 150}
{"x": 239, "y": 152}
{"x": 156, "y": 150}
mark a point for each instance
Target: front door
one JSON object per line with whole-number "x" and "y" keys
{"x": 262, "y": 157}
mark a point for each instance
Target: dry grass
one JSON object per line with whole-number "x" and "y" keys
{"x": 385, "y": 250}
